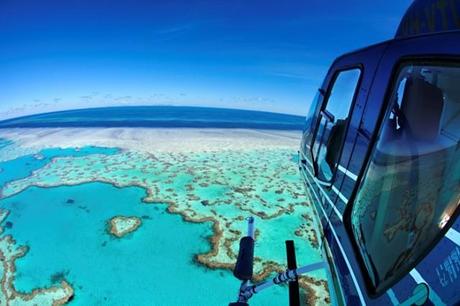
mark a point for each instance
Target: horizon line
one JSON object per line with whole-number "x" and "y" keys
{"x": 136, "y": 106}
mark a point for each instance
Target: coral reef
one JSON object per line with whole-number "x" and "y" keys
{"x": 120, "y": 226}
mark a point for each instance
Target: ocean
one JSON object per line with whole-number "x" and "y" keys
{"x": 160, "y": 116}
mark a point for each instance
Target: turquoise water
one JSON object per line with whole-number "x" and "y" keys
{"x": 152, "y": 266}
{"x": 23, "y": 166}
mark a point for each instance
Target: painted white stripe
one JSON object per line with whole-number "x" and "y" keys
{"x": 392, "y": 296}
{"x": 416, "y": 276}
{"x": 337, "y": 212}
{"x": 432, "y": 295}
{"x": 340, "y": 195}
{"x": 348, "y": 173}
{"x": 324, "y": 193}
{"x": 453, "y": 235}
{"x": 347, "y": 262}
{"x": 342, "y": 168}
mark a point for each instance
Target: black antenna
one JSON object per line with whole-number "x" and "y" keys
{"x": 245, "y": 262}
{"x": 294, "y": 296}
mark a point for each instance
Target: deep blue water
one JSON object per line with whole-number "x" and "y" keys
{"x": 160, "y": 116}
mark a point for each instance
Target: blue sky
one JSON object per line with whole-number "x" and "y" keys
{"x": 263, "y": 55}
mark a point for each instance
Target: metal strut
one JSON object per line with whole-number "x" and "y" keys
{"x": 244, "y": 269}
{"x": 248, "y": 290}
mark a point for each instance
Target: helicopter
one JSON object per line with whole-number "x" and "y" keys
{"x": 380, "y": 159}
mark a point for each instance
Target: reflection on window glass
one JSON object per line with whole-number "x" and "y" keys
{"x": 311, "y": 118}
{"x": 412, "y": 185}
{"x": 331, "y": 131}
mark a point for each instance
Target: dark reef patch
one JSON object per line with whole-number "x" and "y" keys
{"x": 59, "y": 276}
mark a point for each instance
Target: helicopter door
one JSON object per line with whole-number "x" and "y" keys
{"x": 406, "y": 198}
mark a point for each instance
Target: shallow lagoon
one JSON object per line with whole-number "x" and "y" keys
{"x": 144, "y": 268}
{"x": 23, "y": 166}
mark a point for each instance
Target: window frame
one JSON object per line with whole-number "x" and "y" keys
{"x": 385, "y": 110}
{"x": 322, "y": 110}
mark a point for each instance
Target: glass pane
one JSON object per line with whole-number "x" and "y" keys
{"x": 309, "y": 125}
{"x": 412, "y": 185}
{"x": 342, "y": 93}
{"x": 324, "y": 169}
{"x": 337, "y": 108}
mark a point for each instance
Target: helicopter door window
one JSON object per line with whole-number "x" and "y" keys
{"x": 331, "y": 130}
{"x": 410, "y": 191}
{"x": 309, "y": 124}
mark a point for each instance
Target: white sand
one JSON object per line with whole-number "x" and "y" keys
{"x": 152, "y": 139}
